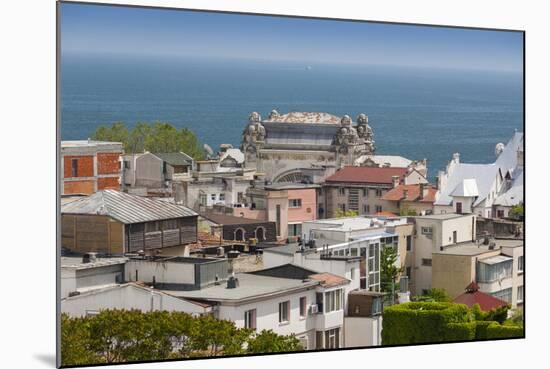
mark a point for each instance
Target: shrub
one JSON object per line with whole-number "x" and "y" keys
{"x": 496, "y": 330}
{"x": 421, "y": 322}
{"x": 460, "y": 331}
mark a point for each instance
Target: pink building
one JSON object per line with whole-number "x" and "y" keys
{"x": 286, "y": 204}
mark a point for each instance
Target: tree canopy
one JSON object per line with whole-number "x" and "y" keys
{"x": 389, "y": 269}
{"x": 345, "y": 214}
{"x": 116, "y": 336}
{"x": 156, "y": 137}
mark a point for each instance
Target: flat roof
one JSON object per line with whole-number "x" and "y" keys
{"x": 355, "y": 223}
{"x": 74, "y": 262}
{"x": 473, "y": 248}
{"x": 250, "y": 286}
{"x": 496, "y": 259}
{"x": 289, "y": 249}
{"x": 442, "y": 216}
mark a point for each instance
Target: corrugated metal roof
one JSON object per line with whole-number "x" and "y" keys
{"x": 126, "y": 208}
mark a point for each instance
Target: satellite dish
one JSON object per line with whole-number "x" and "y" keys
{"x": 209, "y": 151}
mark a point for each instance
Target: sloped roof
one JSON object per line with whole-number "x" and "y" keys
{"x": 514, "y": 195}
{"x": 367, "y": 175}
{"x": 473, "y": 296}
{"x": 413, "y": 193}
{"x": 329, "y": 279}
{"x": 173, "y": 158}
{"x": 126, "y": 208}
{"x": 305, "y": 117}
{"x": 484, "y": 174}
{"x": 467, "y": 188}
{"x": 508, "y": 160}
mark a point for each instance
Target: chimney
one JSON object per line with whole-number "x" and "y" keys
{"x": 395, "y": 181}
{"x": 456, "y": 158}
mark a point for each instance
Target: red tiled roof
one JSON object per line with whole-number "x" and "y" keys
{"x": 472, "y": 296}
{"x": 413, "y": 193}
{"x": 386, "y": 214}
{"x": 379, "y": 175}
{"x": 329, "y": 279}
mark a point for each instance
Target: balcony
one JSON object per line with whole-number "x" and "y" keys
{"x": 325, "y": 321}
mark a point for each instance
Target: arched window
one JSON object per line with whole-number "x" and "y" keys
{"x": 239, "y": 234}
{"x": 260, "y": 233}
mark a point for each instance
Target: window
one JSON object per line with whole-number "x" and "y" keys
{"x": 213, "y": 197}
{"x": 294, "y": 230}
{"x": 222, "y": 197}
{"x": 303, "y": 307}
{"x": 409, "y": 273}
{"x": 505, "y": 294}
{"x": 260, "y": 233}
{"x": 278, "y": 219}
{"x": 365, "y": 192}
{"x": 284, "y": 312}
{"x": 250, "y": 319}
{"x": 342, "y": 207}
{"x": 409, "y": 243}
{"x": 239, "y": 234}
{"x": 333, "y": 301}
{"x": 332, "y": 338}
{"x": 459, "y": 208}
{"x": 454, "y": 237}
{"x": 520, "y": 264}
{"x": 378, "y": 192}
{"x": 500, "y": 213}
{"x": 494, "y": 272}
{"x": 202, "y": 199}
{"x": 342, "y": 191}
{"x": 426, "y": 231}
{"x": 74, "y": 168}
{"x": 520, "y": 294}
{"x": 366, "y": 208}
{"x": 376, "y": 306}
{"x": 295, "y": 203}
{"x": 240, "y": 197}
{"x": 427, "y": 262}
{"x": 126, "y": 164}
{"x": 378, "y": 208}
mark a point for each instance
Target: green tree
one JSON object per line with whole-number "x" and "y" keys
{"x": 75, "y": 336}
{"x": 434, "y": 295}
{"x": 517, "y": 211}
{"x": 117, "y": 132}
{"x": 269, "y": 341}
{"x": 389, "y": 269}
{"x": 405, "y": 210}
{"x": 158, "y": 137}
{"x": 345, "y": 214}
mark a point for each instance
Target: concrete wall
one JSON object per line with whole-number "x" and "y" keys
{"x": 149, "y": 171}
{"x": 126, "y": 296}
{"x": 517, "y": 275}
{"x": 308, "y": 210}
{"x": 164, "y": 272}
{"x": 362, "y": 331}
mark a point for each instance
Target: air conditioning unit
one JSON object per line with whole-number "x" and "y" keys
{"x": 314, "y": 309}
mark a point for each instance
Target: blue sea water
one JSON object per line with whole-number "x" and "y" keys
{"x": 414, "y": 112}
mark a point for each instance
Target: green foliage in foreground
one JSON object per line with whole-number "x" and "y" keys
{"x": 345, "y": 214}
{"x": 115, "y": 336}
{"x": 157, "y": 137}
{"x": 430, "y": 322}
{"x": 434, "y": 295}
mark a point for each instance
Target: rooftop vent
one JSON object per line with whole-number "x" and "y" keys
{"x": 90, "y": 257}
{"x": 492, "y": 245}
{"x": 232, "y": 282}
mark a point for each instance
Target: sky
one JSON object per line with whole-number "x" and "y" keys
{"x": 140, "y": 32}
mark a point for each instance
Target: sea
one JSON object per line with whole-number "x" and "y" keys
{"x": 414, "y": 112}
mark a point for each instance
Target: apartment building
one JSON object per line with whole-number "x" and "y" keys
{"x": 88, "y": 166}
{"x": 495, "y": 265}
{"x": 361, "y": 189}
{"x": 411, "y": 199}
{"x": 431, "y": 234}
{"x": 155, "y": 171}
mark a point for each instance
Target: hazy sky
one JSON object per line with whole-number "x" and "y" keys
{"x": 94, "y": 29}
